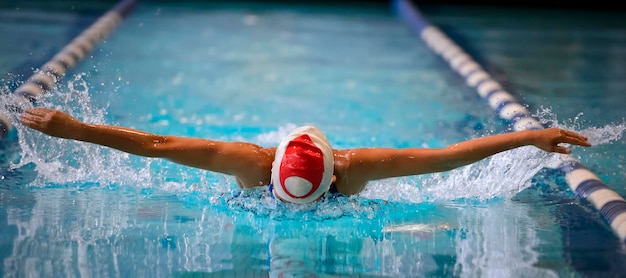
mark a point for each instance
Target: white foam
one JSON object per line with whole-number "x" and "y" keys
{"x": 59, "y": 161}
{"x": 605, "y": 134}
{"x": 274, "y": 137}
{"x": 503, "y": 175}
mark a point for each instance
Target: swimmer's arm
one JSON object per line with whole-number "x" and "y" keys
{"x": 380, "y": 163}
{"x": 248, "y": 162}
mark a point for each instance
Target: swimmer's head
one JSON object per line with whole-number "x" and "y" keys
{"x": 303, "y": 167}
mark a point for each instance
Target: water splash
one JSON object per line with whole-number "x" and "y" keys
{"x": 502, "y": 175}
{"x": 604, "y": 135}
{"x": 596, "y": 135}
{"x": 274, "y": 137}
{"x": 60, "y": 161}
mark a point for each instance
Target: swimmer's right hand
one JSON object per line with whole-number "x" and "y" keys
{"x": 52, "y": 122}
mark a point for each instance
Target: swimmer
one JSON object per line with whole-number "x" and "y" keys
{"x": 303, "y": 167}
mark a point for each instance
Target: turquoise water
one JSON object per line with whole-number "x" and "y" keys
{"x": 233, "y": 72}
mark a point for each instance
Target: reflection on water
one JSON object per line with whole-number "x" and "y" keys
{"x": 94, "y": 231}
{"x": 499, "y": 241}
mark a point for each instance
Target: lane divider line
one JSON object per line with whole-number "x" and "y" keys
{"x": 49, "y": 74}
{"x": 584, "y": 183}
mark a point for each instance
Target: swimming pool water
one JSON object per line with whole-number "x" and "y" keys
{"x": 237, "y": 72}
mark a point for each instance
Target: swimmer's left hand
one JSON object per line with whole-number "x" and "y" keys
{"x": 550, "y": 139}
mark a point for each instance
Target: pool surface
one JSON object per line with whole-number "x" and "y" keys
{"x": 254, "y": 72}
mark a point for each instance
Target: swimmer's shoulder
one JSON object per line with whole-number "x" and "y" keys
{"x": 258, "y": 170}
{"x": 345, "y": 183}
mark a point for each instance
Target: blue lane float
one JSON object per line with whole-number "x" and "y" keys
{"x": 582, "y": 181}
{"x": 45, "y": 79}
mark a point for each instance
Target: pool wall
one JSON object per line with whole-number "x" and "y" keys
{"x": 581, "y": 181}
{"x": 46, "y": 77}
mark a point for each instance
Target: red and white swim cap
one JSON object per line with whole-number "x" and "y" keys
{"x": 303, "y": 167}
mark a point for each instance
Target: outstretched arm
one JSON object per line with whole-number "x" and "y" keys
{"x": 379, "y": 163}
{"x": 250, "y": 163}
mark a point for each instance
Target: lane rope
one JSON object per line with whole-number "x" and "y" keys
{"x": 49, "y": 74}
{"x": 583, "y": 182}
